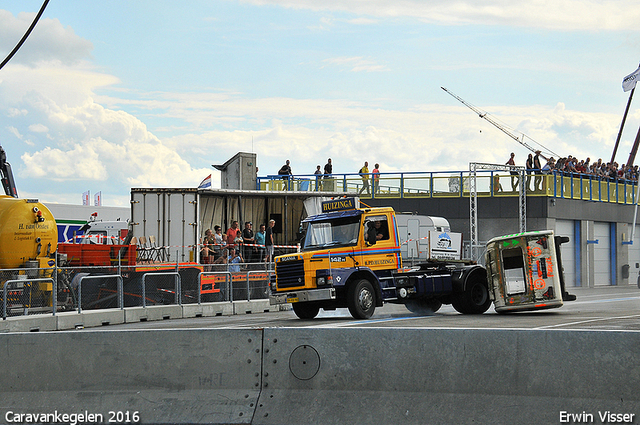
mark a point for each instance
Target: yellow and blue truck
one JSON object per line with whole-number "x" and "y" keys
{"x": 351, "y": 258}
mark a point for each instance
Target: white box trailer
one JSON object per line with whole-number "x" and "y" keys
{"x": 171, "y": 216}
{"x": 178, "y": 218}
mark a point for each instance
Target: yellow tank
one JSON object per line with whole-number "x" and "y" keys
{"x": 28, "y": 232}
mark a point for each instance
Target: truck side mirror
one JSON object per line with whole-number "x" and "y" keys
{"x": 371, "y": 233}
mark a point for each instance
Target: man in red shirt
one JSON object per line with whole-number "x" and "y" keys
{"x": 233, "y": 233}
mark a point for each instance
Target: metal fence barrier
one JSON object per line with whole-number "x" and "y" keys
{"x": 258, "y": 289}
{"x": 83, "y": 288}
{"x": 23, "y": 284}
{"x": 109, "y": 276}
{"x": 178, "y": 298}
{"x": 211, "y": 290}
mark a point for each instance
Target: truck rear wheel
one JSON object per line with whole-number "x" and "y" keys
{"x": 361, "y": 299}
{"x": 423, "y": 306}
{"x": 305, "y": 310}
{"x": 474, "y": 300}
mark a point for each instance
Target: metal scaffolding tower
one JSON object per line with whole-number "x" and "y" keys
{"x": 473, "y": 199}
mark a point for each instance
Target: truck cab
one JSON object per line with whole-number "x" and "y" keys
{"x": 351, "y": 257}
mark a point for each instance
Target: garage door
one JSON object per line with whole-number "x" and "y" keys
{"x": 634, "y": 257}
{"x": 601, "y": 254}
{"x": 567, "y": 250}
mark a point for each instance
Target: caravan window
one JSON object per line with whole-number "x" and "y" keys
{"x": 514, "y": 274}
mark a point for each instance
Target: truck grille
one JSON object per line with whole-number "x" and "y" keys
{"x": 290, "y": 274}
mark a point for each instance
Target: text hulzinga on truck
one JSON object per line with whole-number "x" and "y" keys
{"x": 351, "y": 258}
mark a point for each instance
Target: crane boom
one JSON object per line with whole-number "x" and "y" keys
{"x": 483, "y": 114}
{"x": 6, "y": 175}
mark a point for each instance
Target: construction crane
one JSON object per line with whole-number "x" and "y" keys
{"x": 6, "y": 175}
{"x": 485, "y": 115}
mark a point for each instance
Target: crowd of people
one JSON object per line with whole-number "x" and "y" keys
{"x": 237, "y": 246}
{"x": 324, "y": 181}
{"x": 569, "y": 165}
{"x": 572, "y": 166}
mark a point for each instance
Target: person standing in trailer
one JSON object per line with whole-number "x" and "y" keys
{"x": 260, "y": 239}
{"x": 268, "y": 241}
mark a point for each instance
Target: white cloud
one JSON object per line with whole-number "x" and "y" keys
{"x": 15, "y": 132}
{"x": 82, "y": 137}
{"x": 13, "y": 112}
{"x": 560, "y": 15}
{"x": 427, "y": 137}
{"x": 355, "y": 64}
{"x": 38, "y": 128}
{"x": 49, "y": 40}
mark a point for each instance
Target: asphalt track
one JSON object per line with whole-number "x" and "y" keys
{"x": 606, "y": 308}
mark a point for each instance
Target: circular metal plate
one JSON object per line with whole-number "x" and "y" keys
{"x": 304, "y": 362}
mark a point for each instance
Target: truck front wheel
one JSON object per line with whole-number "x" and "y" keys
{"x": 474, "y": 300}
{"x": 361, "y": 299}
{"x": 305, "y": 310}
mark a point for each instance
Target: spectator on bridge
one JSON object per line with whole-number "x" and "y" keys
{"x": 376, "y": 179}
{"x": 514, "y": 174}
{"x": 285, "y": 172}
{"x": 537, "y": 170}
{"x": 529, "y": 167}
{"x": 318, "y": 174}
{"x": 328, "y": 170}
{"x": 364, "y": 174}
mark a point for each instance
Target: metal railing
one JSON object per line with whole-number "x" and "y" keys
{"x": 23, "y": 297}
{"x": 177, "y": 281}
{"x": 112, "y": 276}
{"x": 451, "y": 184}
{"x": 94, "y": 288}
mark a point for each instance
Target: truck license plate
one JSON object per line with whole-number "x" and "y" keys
{"x": 292, "y": 300}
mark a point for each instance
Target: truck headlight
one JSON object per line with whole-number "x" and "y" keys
{"x": 324, "y": 280}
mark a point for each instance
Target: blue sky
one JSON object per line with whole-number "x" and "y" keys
{"x": 109, "y": 96}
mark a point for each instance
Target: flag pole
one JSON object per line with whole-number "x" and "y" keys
{"x": 634, "y": 150}
{"x": 624, "y": 118}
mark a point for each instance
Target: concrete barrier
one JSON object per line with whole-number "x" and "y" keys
{"x": 34, "y": 323}
{"x": 325, "y": 376}
{"x": 163, "y": 377}
{"x": 93, "y": 318}
{"x": 446, "y": 376}
{"x": 151, "y": 313}
{"x": 207, "y": 310}
{"x": 89, "y": 318}
{"x": 253, "y": 306}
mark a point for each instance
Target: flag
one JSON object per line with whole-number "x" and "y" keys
{"x": 97, "y": 198}
{"x": 85, "y": 198}
{"x": 205, "y": 183}
{"x": 629, "y": 82}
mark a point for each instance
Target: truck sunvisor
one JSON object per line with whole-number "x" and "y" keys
{"x": 332, "y": 215}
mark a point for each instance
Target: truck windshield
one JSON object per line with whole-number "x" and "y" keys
{"x": 338, "y": 232}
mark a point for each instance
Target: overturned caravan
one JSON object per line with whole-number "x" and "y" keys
{"x": 525, "y": 271}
